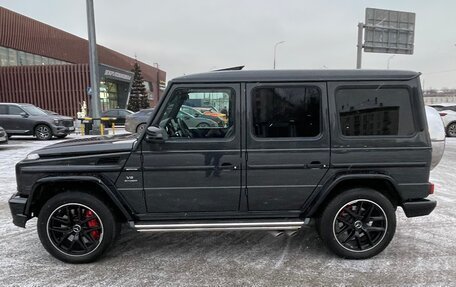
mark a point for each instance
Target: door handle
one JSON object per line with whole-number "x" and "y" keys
{"x": 315, "y": 164}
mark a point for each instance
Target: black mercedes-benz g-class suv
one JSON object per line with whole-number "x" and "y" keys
{"x": 343, "y": 147}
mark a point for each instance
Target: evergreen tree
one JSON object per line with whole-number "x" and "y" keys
{"x": 138, "y": 97}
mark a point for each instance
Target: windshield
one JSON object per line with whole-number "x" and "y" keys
{"x": 34, "y": 111}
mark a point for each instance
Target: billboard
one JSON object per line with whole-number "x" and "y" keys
{"x": 387, "y": 31}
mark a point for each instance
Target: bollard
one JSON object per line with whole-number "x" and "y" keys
{"x": 113, "y": 127}
{"x": 102, "y": 128}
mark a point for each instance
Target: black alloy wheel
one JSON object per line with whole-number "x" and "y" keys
{"x": 77, "y": 227}
{"x": 43, "y": 132}
{"x": 358, "y": 223}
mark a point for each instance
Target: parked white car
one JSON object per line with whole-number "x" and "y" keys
{"x": 448, "y": 113}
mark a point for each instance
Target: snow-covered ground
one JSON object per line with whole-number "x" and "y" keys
{"x": 422, "y": 253}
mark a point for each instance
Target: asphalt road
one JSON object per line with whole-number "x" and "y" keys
{"x": 422, "y": 253}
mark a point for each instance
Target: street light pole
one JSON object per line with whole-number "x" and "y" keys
{"x": 93, "y": 66}
{"x": 389, "y": 59}
{"x": 158, "y": 83}
{"x": 275, "y": 50}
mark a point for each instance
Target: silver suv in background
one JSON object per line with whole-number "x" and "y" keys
{"x": 27, "y": 119}
{"x": 135, "y": 123}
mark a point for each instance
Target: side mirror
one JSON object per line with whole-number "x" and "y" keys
{"x": 24, "y": 115}
{"x": 156, "y": 134}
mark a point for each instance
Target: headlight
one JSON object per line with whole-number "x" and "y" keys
{"x": 32, "y": 156}
{"x": 56, "y": 122}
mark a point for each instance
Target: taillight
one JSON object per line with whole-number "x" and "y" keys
{"x": 431, "y": 188}
{"x": 442, "y": 114}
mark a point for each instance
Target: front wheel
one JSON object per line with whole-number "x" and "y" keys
{"x": 76, "y": 227}
{"x": 43, "y": 132}
{"x": 358, "y": 224}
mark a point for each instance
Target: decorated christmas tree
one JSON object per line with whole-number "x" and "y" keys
{"x": 138, "y": 97}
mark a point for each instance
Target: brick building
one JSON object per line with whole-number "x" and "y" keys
{"x": 48, "y": 67}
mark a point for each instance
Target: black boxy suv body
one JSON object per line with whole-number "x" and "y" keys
{"x": 345, "y": 148}
{"x": 27, "y": 119}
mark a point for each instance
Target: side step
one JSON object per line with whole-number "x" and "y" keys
{"x": 219, "y": 225}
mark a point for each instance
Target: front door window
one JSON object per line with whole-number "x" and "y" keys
{"x": 199, "y": 114}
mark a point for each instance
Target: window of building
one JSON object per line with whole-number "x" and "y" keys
{"x": 12, "y": 57}
{"x": 21, "y": 58}
{"x": 29, "y": 57}
{"x": 286, "y": 111}
{"x": 214, "y": 120}
{"x": 375, "y": 111}
{"x": 4, "y": 57}
{"x": 36, "y": 60}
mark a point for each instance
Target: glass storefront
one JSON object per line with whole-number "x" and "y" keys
{"x": 108, "y": 95}
{"x": 12, "y": 57}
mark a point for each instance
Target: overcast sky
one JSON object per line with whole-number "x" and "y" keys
{"x": 186, "y": 37}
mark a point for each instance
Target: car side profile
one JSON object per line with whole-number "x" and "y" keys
{"x": 340, "y": 148}
{"x": 27, "y": 119}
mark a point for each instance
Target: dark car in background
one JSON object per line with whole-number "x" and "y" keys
{"x": 27, "y": 119}
{"x": 3, "y": 136}
{"x": 119, "y": 114}
{"x": 136, "y": 122}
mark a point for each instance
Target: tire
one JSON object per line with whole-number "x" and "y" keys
{"x": 61, "y": 136}
{"x": 140, "y": 128}
{"x": 43, "y": 132}
{"x": 357, "y": 224}
{"x": 203, "y": 125}
{"x": 67, "y": 233}
{"x": 451, "y": 130}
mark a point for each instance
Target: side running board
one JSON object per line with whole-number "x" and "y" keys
{"x": 219, "y": 226}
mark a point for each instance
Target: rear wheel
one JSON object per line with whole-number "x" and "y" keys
{"x": 202, "y": 125}
{"x": 140, "y": 128}
{"x": 358, "y": 224}
{"x": 451, "y": 130}
{"x": 43, "y": 132}
{"x": 76, "y": 227}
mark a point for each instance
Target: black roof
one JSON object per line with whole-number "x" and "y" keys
{"x": 297, "y": 75}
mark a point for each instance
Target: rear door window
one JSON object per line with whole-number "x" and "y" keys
{"x": 13, "y": 110}
{"x": 286, "y": 111}
{"x": 375, "y": 111}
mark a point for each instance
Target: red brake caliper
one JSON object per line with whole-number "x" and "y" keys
{"x": 93, "y": 223}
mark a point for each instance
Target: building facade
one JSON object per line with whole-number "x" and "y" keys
{"x": 48, "y": 67}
